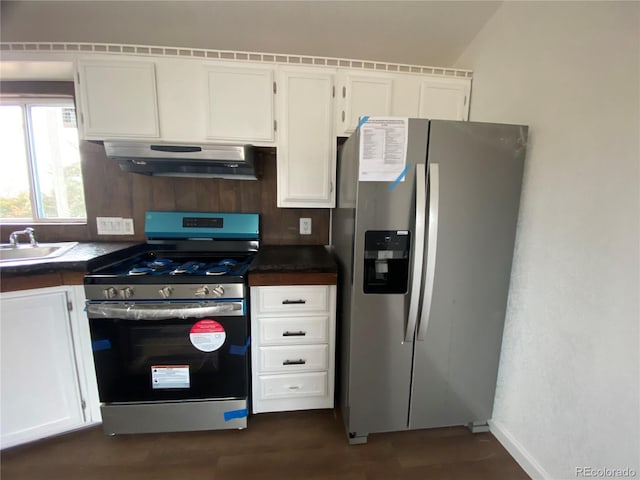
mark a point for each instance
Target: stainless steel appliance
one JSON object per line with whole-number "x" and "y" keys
{"x": 170, "y": 326}
{"x": 425, "y": 266}
{"x": 184, "y": 160}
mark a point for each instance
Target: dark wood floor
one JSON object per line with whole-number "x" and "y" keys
{"x": 302, "y": 445}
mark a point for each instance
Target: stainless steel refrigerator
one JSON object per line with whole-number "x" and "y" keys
{"x": 424, "y": 275}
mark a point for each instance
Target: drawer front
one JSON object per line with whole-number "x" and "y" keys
{"x": 293, "y": 386}
{"x": 294, "y": 330}
{"x": 294, "y": 358}
{"x": 293, "y": 299}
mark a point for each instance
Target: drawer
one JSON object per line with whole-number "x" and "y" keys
{"x": 293, "y": 299}
{"x": 294, "y": 358}
{"x": 293, "y": 330}
{"x": 293, "y": 386}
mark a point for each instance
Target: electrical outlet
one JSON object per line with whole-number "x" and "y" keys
{"x": 114, "y": 226}
{"x": 127, "y": 226}
{"x": 305, "y": 226}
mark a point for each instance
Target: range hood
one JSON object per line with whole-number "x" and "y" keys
{"x": 183, "y": 160}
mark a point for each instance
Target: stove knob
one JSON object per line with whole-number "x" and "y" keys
{"x": 110, "y": 293}
{"x": 126, "y": 292}
{"x": 165, "y": 292}
{"x": 202, "y": 291}
{"x": 217, "y": 291}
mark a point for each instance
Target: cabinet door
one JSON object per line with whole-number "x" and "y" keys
{"x": 240, "y": 104}
{"x": 40, "y": 393}
{"x": 364, "y": 94}
{"x": 117, "y": 99}
{"x": 306, "y": 146}
{"x": 444, "y": 98}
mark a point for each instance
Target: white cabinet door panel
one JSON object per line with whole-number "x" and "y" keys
{"x": 240, "y": 102}
{"x": 118, "y": 99}
{"x": 444, "y": 99}
{"x": 40, "y": 390}
{"x": 366, "y": 95}
{"x": 293, "y": 299}
{"x": 293, "y": 386}
{"x": 294, "y": 358}
{"x": 294, "y": 330}
{"x": 306, "y": 146}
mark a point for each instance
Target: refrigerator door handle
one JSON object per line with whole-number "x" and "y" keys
{"x": 432, "y": 246}
{"x": 418, "y": 252}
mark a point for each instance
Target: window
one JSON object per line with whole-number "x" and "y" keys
{"x": 40, "y": 175}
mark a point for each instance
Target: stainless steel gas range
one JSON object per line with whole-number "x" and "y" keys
{"x": 170, "y": 326}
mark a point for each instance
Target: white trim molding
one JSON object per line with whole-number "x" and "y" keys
{"x": 149, "y": 50}
{"x": 520, "y": 454}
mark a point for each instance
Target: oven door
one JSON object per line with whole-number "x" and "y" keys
{"x": 169, "y": 351}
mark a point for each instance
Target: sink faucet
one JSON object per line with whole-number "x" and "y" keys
{"x": 13, "y": 237}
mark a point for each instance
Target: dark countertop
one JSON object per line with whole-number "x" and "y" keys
{"x": 293, "y": 265}
{"x": 83, "y": 257}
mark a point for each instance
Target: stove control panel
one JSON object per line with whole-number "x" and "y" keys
{"x": 159, "y": 291}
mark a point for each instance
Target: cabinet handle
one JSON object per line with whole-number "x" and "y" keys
{"x": 343, "y": 116}
{"x": 294, "y": 387}
{"x": 294, "y": 302}
{"x": 300, "y": 361}
{"x": 344, "y": 92}
{"x": 299, "y": 333}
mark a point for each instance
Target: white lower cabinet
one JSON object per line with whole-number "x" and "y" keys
{"x": 47, "y": 377}
{"x": 293, "y": 347}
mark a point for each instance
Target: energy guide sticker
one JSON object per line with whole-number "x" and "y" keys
{"x": 207, "y": 335}
{"x": 170, "y": 376}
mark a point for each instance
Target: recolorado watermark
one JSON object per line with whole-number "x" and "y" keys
{"x": 605, "y": 472}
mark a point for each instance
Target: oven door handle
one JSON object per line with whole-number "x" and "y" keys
{"x": 133, "y": 311}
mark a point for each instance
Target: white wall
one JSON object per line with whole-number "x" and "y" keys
{"x": 568, "y": 388}
{"x": 424, "y": 33}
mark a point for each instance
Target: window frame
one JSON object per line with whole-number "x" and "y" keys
{"x": 25, "y": 101}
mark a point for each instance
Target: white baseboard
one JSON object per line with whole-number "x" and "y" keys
{"x": 518, "y": 452}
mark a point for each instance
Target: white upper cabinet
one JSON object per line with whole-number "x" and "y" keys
{"x": 399, "y": 95}
{"x": 443, "y": 98}
{"x": 181, "y": 100}
{"x": 176, "y": 100}
{"x": 306, "y": 142}
{"x": 117, "y": 99}
{"x": 240, "y": 103}
{"x": 362, "y": 94}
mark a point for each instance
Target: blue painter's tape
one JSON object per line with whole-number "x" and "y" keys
{"x": 363, "y": 120}
{"x": 98, "y": 345}
{"x": 400, "y": 177}
{"x": 231, "y": 414}
{"x": 240, "y": 349}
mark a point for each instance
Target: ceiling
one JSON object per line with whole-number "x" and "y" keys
{"x": 414, "y": 32}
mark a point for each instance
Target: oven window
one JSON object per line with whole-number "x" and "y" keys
{"x": 170, "y": 359}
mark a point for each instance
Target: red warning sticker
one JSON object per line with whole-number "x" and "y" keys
{"x": 207, "y": 335}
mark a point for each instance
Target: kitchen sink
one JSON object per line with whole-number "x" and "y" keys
{"x": 9, "y": 253}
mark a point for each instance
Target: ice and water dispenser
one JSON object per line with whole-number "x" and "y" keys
{"x": 386, "y": 261}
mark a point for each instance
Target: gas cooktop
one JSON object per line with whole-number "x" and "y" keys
{"x": 207, "y": 253}
{"x": 178, "y": 267}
